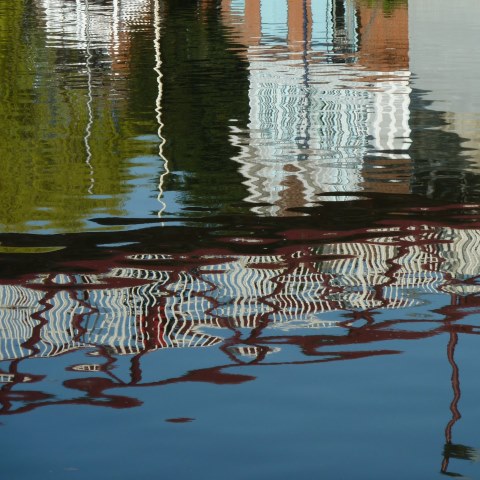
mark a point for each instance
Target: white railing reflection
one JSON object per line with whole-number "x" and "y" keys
{"x": 198, "y": 306}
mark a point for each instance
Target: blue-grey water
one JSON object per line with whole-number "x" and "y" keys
{"x": 239, "y": 239}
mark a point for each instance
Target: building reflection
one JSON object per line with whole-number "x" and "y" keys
{"x": 329, "y": 100}
{"x": 87, "y": 23}
{"x": 306, "y": 303}
{"x": 326, "y": 302}
{"x": 329, "y": 113}
{"x": 449, "y": 82}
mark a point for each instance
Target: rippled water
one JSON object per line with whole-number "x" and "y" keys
{"x": 239, "y": 238}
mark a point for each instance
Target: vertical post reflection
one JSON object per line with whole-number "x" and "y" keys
{"x": 329, "y": 108}
{"x": 452, "y": 344}
{"x": 88, "y": 128}
{"x": 158, "y": 63}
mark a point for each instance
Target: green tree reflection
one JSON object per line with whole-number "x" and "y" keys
{"x": 64, "y": 153}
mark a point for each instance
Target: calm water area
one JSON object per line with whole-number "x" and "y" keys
{"x": 239, "y": 239}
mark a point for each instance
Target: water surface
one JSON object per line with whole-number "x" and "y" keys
{"x": 239, "y": 238}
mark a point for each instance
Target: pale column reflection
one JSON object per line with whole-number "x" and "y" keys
{"x": 327, "y": 115}
{"x": 88, "y": 127}
{"x": 158, "y": 110}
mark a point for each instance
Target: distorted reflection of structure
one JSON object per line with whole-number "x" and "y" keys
{"x": 83, "y": 21}
{"x": 93, "y": 44}
{"x": 329, "y": 99}
{"x": 156, "y": 303}
{"x": 330, "y": 301}
{"x": 449, "y": 81}
{"x": 455, "y": 450}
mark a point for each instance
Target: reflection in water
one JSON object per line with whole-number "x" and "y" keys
{"x": 67, "y": 114}
{"x": 452, "y": 450}
{"x": 88, "y": 128}
{"x": 87, "y": 22}
{"x": 130, "y": 111}
{"x": 300, "y": 303}
{"x": 158, "y": 71}
{"x": 327, "y": 112}
{"x": 450, "y": 82}
{"x": 249, "y": 307}
{"x": 217, "y": 115}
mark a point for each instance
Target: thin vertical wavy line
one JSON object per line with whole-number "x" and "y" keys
{"x": 158, "y": 109}
{"x": 88, "y": 128}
